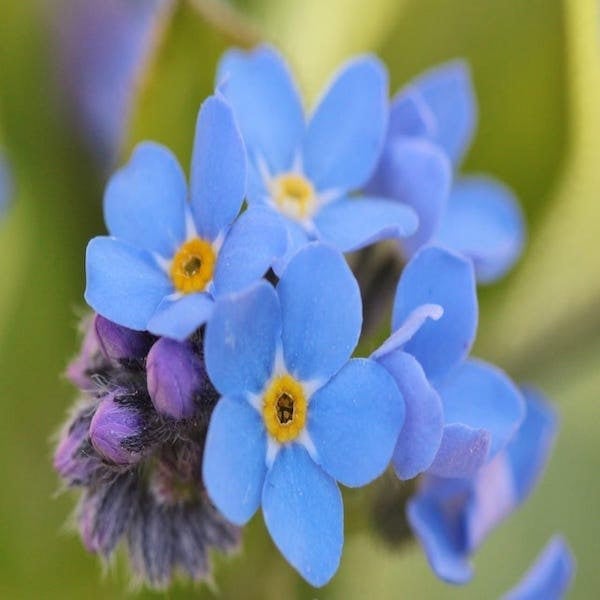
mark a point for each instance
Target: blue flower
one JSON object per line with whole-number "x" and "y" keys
{"x": 6, "y": 186}
{"x": 432, "y": 122}
{"x": 101, "y": 49}
{"x": 167, "y": 258}
{"x": 296, "y": 415}
{"x": 306, "y": 170}
{"x": 459, "y": 413}
{"x": 550, "y": 577}
{"x": 451, "y": 517}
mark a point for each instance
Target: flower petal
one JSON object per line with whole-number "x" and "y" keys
{"x": 346, "y": 132}
{"x": 297, "y": 237}
{"x": 354, "y": 422}
{"x": 321, "y": 312}
{"x": 266, "y": 104}
{"x": 410, "y": 115}
{"x": 255, "y": 241}
{"x": 407, "y": 330}
{"x": 303, "y": 512}
{"x": 421, "y": 434}
{"x": 179, "y": 317}
{"x": 483, "y": 397}
{"x": 462, "y": 452}
{"x": 417, "y": 173}
{"x": 234, "y": 467}
{"x": 350, "y": 224}
{"x": 144, "y": 202}
{"x": 436, "y": 276}
{"x": 448, "y": 92}
{"x": 550, "y": 576}
{"x": 529, "y": 450}
{"x": 439, "y": 531}
{"x": 123, "y": 283}
{"x": 241, "y": 338}
{"x": 218, "y": 171}
{"x": 484, "y": 222}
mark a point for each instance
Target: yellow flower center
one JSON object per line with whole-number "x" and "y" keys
{"x": 294, "y": 195}
{"x": 284, "y": 408}
{"x": 193, "y": 266}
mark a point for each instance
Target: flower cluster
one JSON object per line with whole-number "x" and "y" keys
{"x": 218, "y": 374}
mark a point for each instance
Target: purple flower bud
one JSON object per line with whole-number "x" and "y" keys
{"x": 175, "y": 377}
{"x": 118, "y": 342}
{"x": 72, "y": 459}
{"x": 77, "y": 371}
{"x": 116, "y": 429}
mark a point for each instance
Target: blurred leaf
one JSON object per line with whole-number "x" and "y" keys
{"x": 317, "y": 36}
{"x": 552, "y": 303}
{"x": 181, "y": 72}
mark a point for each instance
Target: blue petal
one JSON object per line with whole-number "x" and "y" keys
{"x": 218, "y": 171}
{"x": 297, "y": 237}
{"x": 241, "y": 338}
{"x": 417, "y": 173}
{"x": 483, "y": 397}
{"x": 484, "y": 222}
{"x": 354, "y": 422}
{"x": 421, "y": 433}
{"x": 550, "y": 577}
{"x": 350, "y": 224}
{"x": 410, "y": 115}
{"x": 462, "y": 452}
{"x": 123, "y": 283}
{"x": 407, "y": 330}
{"x": 178, "y": 317}
{"x": 255, "y": 241}
{"x": 439, "y": 530}
{"x": 321, "y": 312}
{"x": 266, "y": 104}
{"x": 436, "y": 276}
{"x": 303, "y": 512}
{"x": 529, "y": 450}
{"x": 448, "y": 92}
{"x": 234, "y": 466}
{"x": 491, "y": 499}
{"x": 347, "y": 130}
{"x": 144, "y": 202}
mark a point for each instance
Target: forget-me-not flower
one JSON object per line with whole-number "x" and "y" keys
{"x": 101, "y": 49}
{"x": 307, "y": 169}
{"x": 166, "y": 258}
{"x": 436, "y": 114}
{"x": 296, "y": 414}
{"x": 550, "y": 576}
{"x": 459, "y": 412}
{"x": 451, "y": 517}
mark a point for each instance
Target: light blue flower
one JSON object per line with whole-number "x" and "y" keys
{"x": 451, "y": 517}
{"x": 435, "y": 115}
{"x": 459, "y": 413}
{"x": 166, "y": 258}
{"x": 6, "y": 184}
{"x": 296, "y": 414}
{"x": 306, "y": 170}
{"x": 550, "y": 577}
{"x": 101, "y": 49}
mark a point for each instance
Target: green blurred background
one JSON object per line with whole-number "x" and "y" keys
{"x": 536, "y": 66}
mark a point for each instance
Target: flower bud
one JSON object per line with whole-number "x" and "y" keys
{"x": 176, "y": 375}
{"x": 113, "y": 425}
{"x": 119, "y": 343}
{"x": 72, "y": 459}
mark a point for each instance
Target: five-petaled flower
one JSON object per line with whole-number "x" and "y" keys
{"x": 167, "y": 258}
{"x": 431, "y": 125}
{"x": 296, "y": 414}
{"x": 307, "y": 170}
